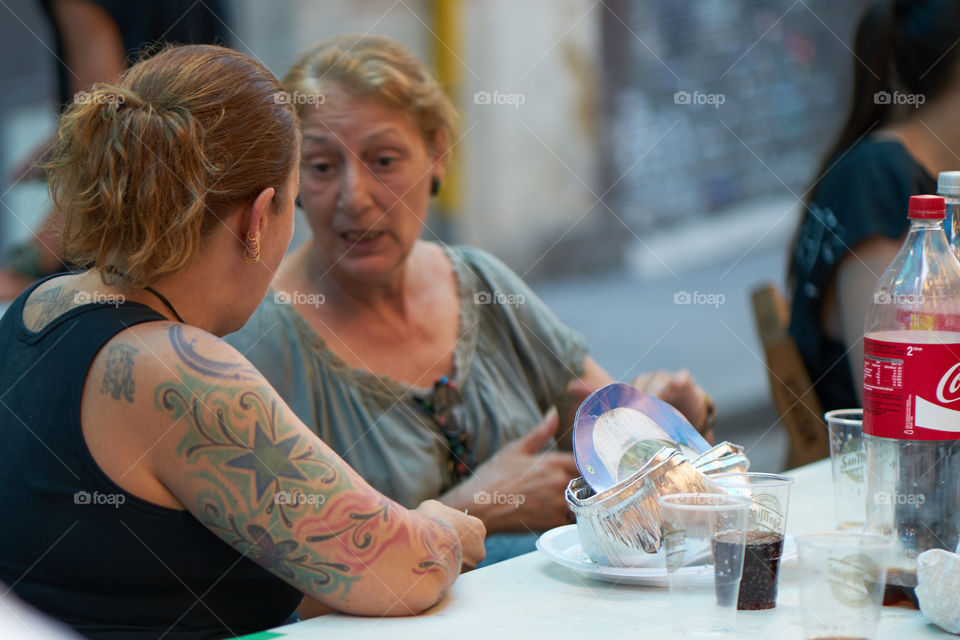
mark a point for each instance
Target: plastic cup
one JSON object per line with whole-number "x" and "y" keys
{"x": 848, "y": 464}
{"x": 703, "y": 537}
{"x": 841, "y": 576}
{"x": 769, "y": 494}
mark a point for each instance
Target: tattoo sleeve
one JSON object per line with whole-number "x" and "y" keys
{"x": 267, "y": 486}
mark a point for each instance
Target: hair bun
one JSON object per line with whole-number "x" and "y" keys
{"x": 143, "y": 170}
{"x": 128, "y": 97}
{"x": 110, "y": 95}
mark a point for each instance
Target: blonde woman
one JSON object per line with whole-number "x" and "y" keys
{"x": 430, "y": 368}
{"x": 155, "y": 485}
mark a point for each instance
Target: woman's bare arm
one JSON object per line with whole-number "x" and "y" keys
{"x": 226, "y": 446}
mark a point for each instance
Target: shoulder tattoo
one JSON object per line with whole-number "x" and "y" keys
{"x": 118, "y": 379}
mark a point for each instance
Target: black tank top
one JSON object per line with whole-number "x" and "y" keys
{"x": 76, "y": 545}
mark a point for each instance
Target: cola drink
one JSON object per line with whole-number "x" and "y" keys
{"x": 911, "y": 395}
{"x": 761, "y": 563}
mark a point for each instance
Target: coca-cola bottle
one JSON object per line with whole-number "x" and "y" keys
{"x": 911, "y": 395}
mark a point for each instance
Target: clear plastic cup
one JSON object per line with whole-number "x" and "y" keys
{"x": 848, "y": 464}
{"x": 703, "y": 537}
{"x": 769, "y": 494}
{"x": 842, "y": 575}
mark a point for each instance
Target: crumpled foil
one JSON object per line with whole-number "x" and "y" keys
{"x": 938, "y": 585}
{"x": 620, "y": 527}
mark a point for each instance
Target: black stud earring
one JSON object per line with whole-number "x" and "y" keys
{"x": 434, "y": 185}
{"x": 298, "y": 203}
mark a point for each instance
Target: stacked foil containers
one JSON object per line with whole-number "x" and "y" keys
{"x": 620, "y": 527}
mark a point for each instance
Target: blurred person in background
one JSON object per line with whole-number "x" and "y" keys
{"x": 155, "y": 485}
{"x": 429, "y": 368}
{"x": 94, "y": 41}
{"x": 901, "y": 131}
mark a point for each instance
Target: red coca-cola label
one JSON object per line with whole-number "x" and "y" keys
{"x": 911, "y": 391}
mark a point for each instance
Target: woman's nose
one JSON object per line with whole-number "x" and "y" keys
{"x": 355, "y": 189}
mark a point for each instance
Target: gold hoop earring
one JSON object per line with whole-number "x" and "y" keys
{"x": 252, "y": 256}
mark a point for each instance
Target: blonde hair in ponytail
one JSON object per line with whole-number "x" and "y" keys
{"x": 142, "y": 171}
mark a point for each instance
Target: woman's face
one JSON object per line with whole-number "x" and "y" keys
{"x": 365, "y": 185}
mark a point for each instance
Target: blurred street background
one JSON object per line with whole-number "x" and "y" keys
{"x": 640, "y": 162}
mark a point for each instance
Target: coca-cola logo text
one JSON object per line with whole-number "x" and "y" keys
{"x": 950, "y": 385}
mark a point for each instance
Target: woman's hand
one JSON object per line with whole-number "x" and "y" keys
{"x": 680, "y": 390}
{"x": 469, "y": 530}
{"x": 520, "y": 488}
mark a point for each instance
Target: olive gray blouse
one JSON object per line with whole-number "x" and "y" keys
{"x": 513, "y": 359}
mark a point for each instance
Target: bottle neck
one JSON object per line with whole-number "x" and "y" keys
{"x": 927, "y": 235}
{"x": 926, "y": 224}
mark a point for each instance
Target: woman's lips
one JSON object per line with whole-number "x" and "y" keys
{"x": 362, "y": 239}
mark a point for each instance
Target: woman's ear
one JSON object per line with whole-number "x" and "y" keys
{"x": 254, "y": 222}
{"x": 440, "y": 155}
{"x": 256, "y": 217}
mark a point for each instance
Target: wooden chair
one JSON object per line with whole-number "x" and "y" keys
{"x": 793, "y": 395}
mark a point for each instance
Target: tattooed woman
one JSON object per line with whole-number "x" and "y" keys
{"x": 154, "y": 484}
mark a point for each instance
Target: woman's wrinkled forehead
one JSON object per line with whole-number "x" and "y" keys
{"x": 320, "y": 138}
{"x": 347, "y": 120}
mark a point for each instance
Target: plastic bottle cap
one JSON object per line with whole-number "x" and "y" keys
{"x": 948, "y": 183}
{"x": 929, "y": 207}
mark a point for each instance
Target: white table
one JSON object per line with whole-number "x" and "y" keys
{"x": 530, "y": 596}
